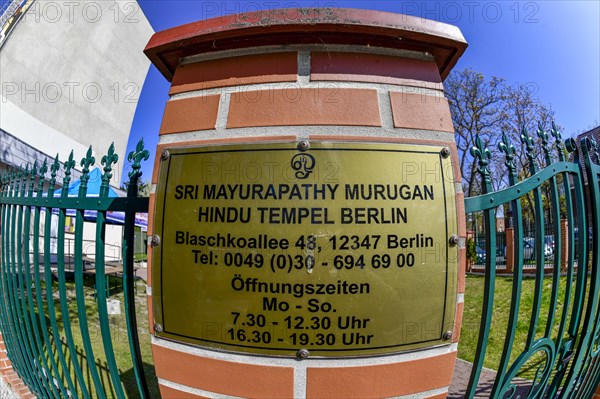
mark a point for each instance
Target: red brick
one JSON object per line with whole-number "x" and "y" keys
{"x": 460, "y": 213}
{"x": 455, "y": 162}
{"x": 170, "y": 393}
{"x": 190, "y": 114}
{"x": 297, "y": 107}
{"x": 234, "y": 71}
{"x": 418, "y": 111}
{"x": 150, "y": 298}
{"x": 380, "y": 380}
{"x": 462, "y": 270}
{"x": 224, "y": 377}
{"x": 374, "y": 68}
{"x": 151, "y": 205}
{"x": 458, "y": 321}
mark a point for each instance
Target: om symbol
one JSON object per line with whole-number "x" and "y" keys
{"x": 303, "y": 164}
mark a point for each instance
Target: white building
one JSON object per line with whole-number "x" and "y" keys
{"x": 70, "y": 75}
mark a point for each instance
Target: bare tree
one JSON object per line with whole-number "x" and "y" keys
{"x": 525, "y": 112}
{"x": 477, "y": 108}
{"x": 143, "y": 188}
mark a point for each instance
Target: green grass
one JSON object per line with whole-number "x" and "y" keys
{"x": 140, "y": 257}
{"x": 501, "y": 311}
{"x": 468, "y": 342}
{"x": 118, "y": 330}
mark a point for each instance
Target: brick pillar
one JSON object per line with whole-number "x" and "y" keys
{"x": 326, "y": 76}
{"x": 10, "y": 376}
{"x": 564, "y": 239}
{"x": 510, "y": 249}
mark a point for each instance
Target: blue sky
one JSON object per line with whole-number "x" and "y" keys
{"x": 553, "y": 46}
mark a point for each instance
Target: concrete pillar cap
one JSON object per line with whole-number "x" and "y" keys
{"x": 307, "y": 26}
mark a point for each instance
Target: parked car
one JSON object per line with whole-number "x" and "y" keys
{"x": 549, "y": 245}
{"x": 529, "y": 248}
{"x": 480, "y": 255}
{"x": 576, "y": 231}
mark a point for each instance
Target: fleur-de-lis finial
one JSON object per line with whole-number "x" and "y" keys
{"x": 26, "y": 174}
{"x": 108, "y": 160}
{"x": 558, "y": 143}
{"x": 42, "y": 177}
{"x": 86, "y": 162}
{"x": 509, "y": 150}
{"x": 54, "y": 170}
{"x": 68, "y": 167}
{"x": 482, "y": 155}
{"x": 137, "y": 156}
{"x": 19, "y": 180}
{"x": 13, "y": 178}
{"x": 32, "y": 175}
{"x": 527, "y": 140}
{"x": 5, "y": 183}
{"x": 543, "y": 135}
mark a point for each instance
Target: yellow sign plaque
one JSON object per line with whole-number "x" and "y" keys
{"x": 341, "y": 249}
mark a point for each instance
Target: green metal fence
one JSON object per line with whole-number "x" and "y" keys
{"x": 39, "y": 332}
{"x": 35, "y": 311}
{"x": 564, "y": 342}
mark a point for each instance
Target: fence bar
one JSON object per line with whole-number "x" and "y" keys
{"x": 593, "y": 377}
{"x": 557, "y": 252}
{"x": 590, "y": 326}
{"x": 28, "y": 313}
{"x": 107, "y": 160}
{"x": 40, "y": 357}
{"x": 21, "y": 273}
{"x": 582, "y": 267}
{"x": 7, "y": 326}
{"x": 13, "y": 347}
{"x": 482, "y": 155}
{"x": 589, "y": 385}
{"x": 501, "y": 385}
{"x": 564, "y": 347}
{"x": 136, "y": 157}
{"x": 78, "y": 262}
{"x": 48, "y": 281}
{"x": 54, "y": 377}
{"x": 27, "y": 369}
{"x": 21, "y": 365}
{"x": 539, "y": 242}
{"x": 62, "y": 292}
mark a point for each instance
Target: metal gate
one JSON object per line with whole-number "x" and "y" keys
{"x": 569, "y": 342}
{"x": 38, "y": 334}
{"x": 47, "y": 359}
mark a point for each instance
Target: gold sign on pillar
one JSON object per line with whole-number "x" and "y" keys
{"x": 339, "y": 249}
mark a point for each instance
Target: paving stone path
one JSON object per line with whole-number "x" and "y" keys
{"x": 460, "y": 380}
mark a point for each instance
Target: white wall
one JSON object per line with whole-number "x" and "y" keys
{"x": 71, "y": 74}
